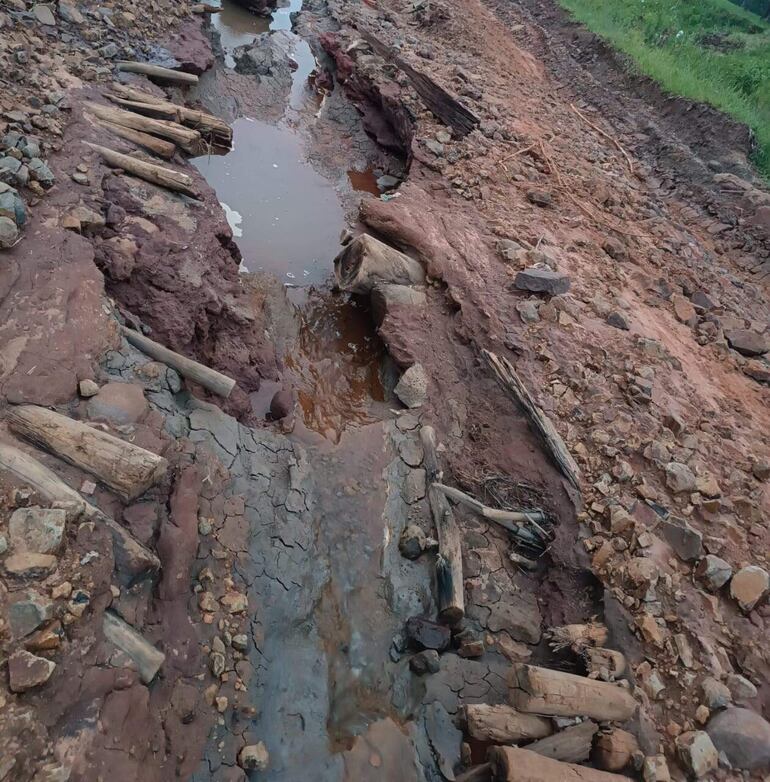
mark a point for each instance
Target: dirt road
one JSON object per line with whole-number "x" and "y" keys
{"x": 279, "y": 579}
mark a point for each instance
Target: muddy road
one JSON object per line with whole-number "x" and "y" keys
{"x": 493, "y": 472}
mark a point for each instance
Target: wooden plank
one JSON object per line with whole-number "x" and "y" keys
{"x": 209, "y": 378}
{"x": 157, "y": 72}
{"x": 125, "y": 468}
{"x": 158, "y": 146}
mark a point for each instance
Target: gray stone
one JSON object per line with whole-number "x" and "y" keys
{"x": 697, "y": 753}
{"x": 542, "y": 281}
{"x": 748, "y": 343}
{"x": 9, "y": 233}
{"x": 714, "y": 572}
{"x": 118, "y": 403}
{"x": 511, "y": 250}
{"x": 749, "y": 586}
{"x": 44, "y": 14}
{"x": 539, "y": 197}
{"x": 41, "y": 172}
{"x": 528, "y": 311}
{"x": 518, "y": 614}
{"x": 88, "y": 388}
{"x": 254, "y": 757}
{"x": 426, "y": 634}
{"x": 9, "y": 167}
{"x": 109, "y": 51}
{"x": 740, "y": 687}
{"x": 3, "y": 544}
{"x": 412, "y": 388}
{"x": 27, "y": 612}
{"x": 37, "y": 530}
{"x": 424, "y": 662}
{"x": 12, "y": 206}
{"x": 686, "y": 541}
{"x": 743, "y": 736}
{"x": 715, "y": 694}
{"x": 388, "y": 182}
{"x": 70, "y": 13}
{"x": 618, "y": 320}
{"x": 655, "y": 769}
{"x": 679, "y": 477}
{"x": 412, "y": 542}
{"x": 27, "y": 564}
{"x": 240, "y": 642}
{"x": 444, "y": 737}
{"x": 26, "y": 670}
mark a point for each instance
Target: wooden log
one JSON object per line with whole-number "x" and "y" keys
{"x": 164, "y": 149}
{"x": 209, "y": 378}
{"x": 558, "y": 694}
{"x": 157, "y": 72}
{"x": 577, "y": 636}
{"x": 512, "y": 764}
{"x": 614, "y": 749}
{"x": 449, "y": 564}
{"x": 511, "y": 383}
{"x": 599, "y": 661}
{"x": 571, "y": 745}
{"x": 133, "y": 561}
{"x": 148, "y": 659}
{"x": 125, "y": 468}
{"x": 169, "y": 178}
{"x": 503, "y": 724}
{"x": 480, "y": 773}
{"x": 186, "y": 138}
{"x": 205, "y": 8}
{"x": 509, "y": 519}
{"x": 366, "y": 262}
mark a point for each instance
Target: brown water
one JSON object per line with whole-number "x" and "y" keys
{"x": 237, "y": 27}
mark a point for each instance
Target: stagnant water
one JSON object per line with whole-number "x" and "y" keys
{"x": 287, "y": 218}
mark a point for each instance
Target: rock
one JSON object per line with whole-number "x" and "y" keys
{"x": 686, "y": 541}
{"x": 44, "y": 14}
{"x": 27, "y": 670}
{"x": 614, "y": 749}
{"x": 715, "y": 694}
{"x": 697, "y": 753}
{"x": 519, "y": 615}
{"x": 655, "y": 769}
{"x": 642, "y": 571}
{"x": 240, "y": 642}
{"x": 37, "y": 530}
{"x": 424, "y": 662}
{"x": 9, "y": 233}
{"x": 3, "y": 544}
{"x": 412, "y": 541}
{"x": 757, "y": 370}
{"x": 511, "y": 250}
{"x": 684, "y": 310}
{"x": 747, "y": 343}
{"x": 118, "y": 403}
{"x": 702, "y": 301}
{"x": 412, "y": 388}
{"x": 540, "y": 280}
{"x": 740, "y": 687}
{"x": 11, "y": 205}
{"x": 539, "y": 197}
{"x": 679, "y": 477}
{"x": 42, "y": 173}
{"x": 618, "y": 320}
{"x": 426, "y": 634}
{"x": 388, "y": 182}
{"x": 528, "y": 311}
{"x": 88, "y": 388}
{"x": 707, "y": 485}
{"x": 216, "y": 664}
{"x": 27, "y": 612}
{"x": 281, "y": 405}
{"x": 254, "y": 757}
{"x": 714, "y": 572}
{"x": 234, "y": 602}
{"x": 445, "y": 739}
{"x": 748, "y": 586}
{"x": 70, "y": 13}
{"x": 29, "y": 564}
{"x": 743, "y": 736}
{"x": 760, "y": 469}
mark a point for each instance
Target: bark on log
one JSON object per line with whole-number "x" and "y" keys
{"x": 186, "y": 138}
{"x": 449, "y": 564}
{"x": 367, "y": 261}
{"x": 503, "y": 724}
{"x": 158, "y": 146}
{"x": 132, "y": 560}
{"x": 125, "y": 468}
{"x": 558, "y": 694}
{"x": 209, "y": 378}
{"x": 511, "y": 383}
{"x": 511, "y": 764}
{"x": 447, "y": 108}
{"x": 169, "y": 178}
{"x": 571, "y": 745}
{"x": 157, "y": 72}
{"x": 148, "y": 659}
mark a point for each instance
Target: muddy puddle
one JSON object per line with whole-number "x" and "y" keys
{"x": 287, "y": 218}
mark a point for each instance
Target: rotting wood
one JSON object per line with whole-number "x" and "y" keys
{"x": 502, "y": 724}
{"x": 558, "y": 694}
{"x": 366, "y": 262}
{"x": 186, "y": 138}
{"x": 449, "y": 564}
{"x": 156, "y": 72}
{"x": 480, "y": 773}
{"x": 511, "y": 383}
{"x": 446, "y": 107}
{"x": 148, "y": 659}
{"x": 133, "y": 561}
{"x": 577, "y": 636}
{"x": 209, "y": 378}
{"x": 125, "y": 468}
{"x": 513, "y": 764}
{"x": 158, "y": 146}
{"x": 169, "y": 178}
{"x": 571, "y": 745}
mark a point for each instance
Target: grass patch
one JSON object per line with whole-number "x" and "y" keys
{"x": 710, "y": 51}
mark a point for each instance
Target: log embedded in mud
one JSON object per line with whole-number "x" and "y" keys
{"x": 572, "y": 745}
{"x": 169, "y": 178}
{"x": 367, "y": 261}
{"x": 164, "y": 149}
{"x": 559, "y": 694}
{"x": 503, "y": 724}
{"x": 447, "y": 108}
{"x": 480, "y": 773}
{"x": 186, "y": 138}
{"x": 132, "y": 560}
{"x": 512, "y": 764}
{"x": 157, "y": 72}
{"x": 511, "y": 383}
{"x": 209, "y": 378}
{"x": 148, "y": 659}
{"x": 205, "y": 8}
{"x": 449, "y": 565}
{"x": 124, "y": 467}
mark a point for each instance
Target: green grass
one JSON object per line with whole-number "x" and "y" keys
{"x": 710, "y": 51}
